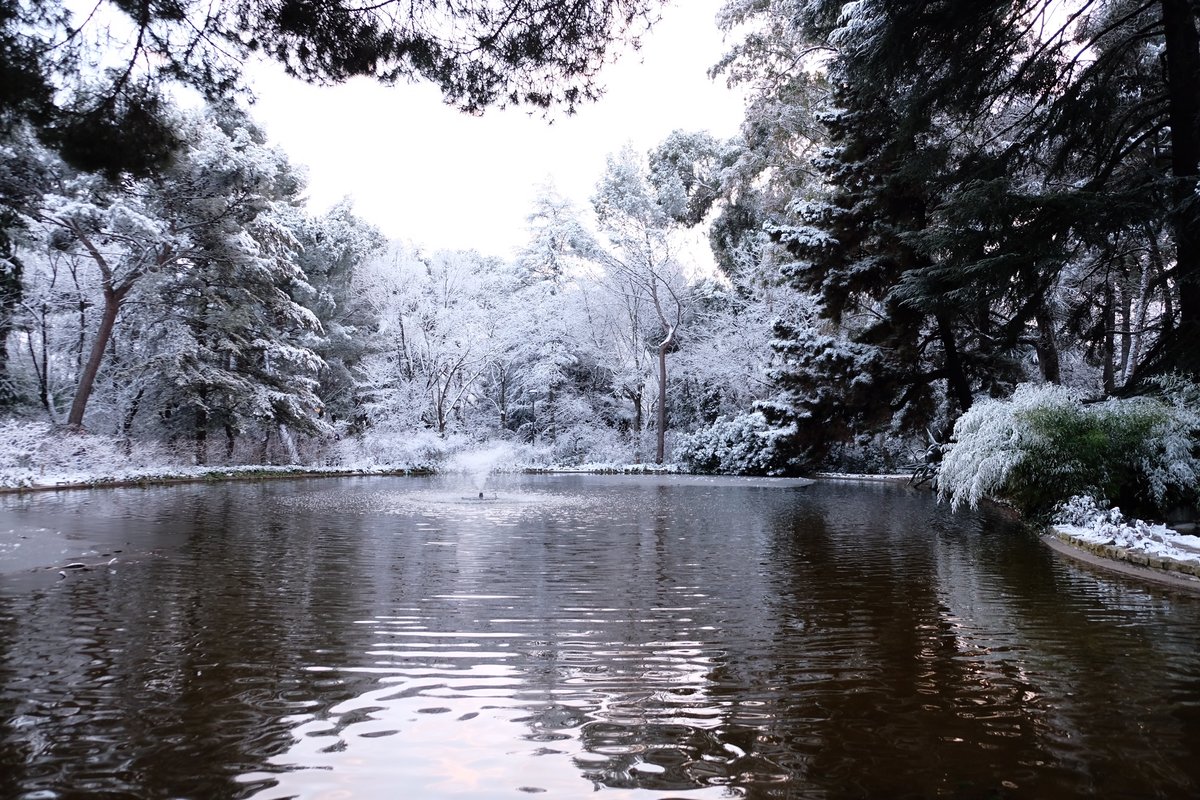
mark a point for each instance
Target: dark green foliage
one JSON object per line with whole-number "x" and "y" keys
{"x": 130, "y": 133}
{"x": 995, "y": 193}
{"x": 1073, "y": 452}
{"x": 830, "y": 387}
{"x": 479, "y": 53}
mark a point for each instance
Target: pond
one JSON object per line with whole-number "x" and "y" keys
{"x": 577, "y": 636}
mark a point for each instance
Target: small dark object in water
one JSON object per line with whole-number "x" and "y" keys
{"x": 481, "y": 495}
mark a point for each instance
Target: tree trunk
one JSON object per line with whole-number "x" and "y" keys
{"x": 661, "y": 432}
{"x": 1137, "y": 326}
{"x": 81, "y": 345}
{"x": 1047, "y": 346}
{"x": 42, "y": 368}
{"x": 502, "y": 400}
{"x": 87, "y": 380}
{"x": 1183, "y": 76}
{"x": 635, "y": 398}
{"x": 1108, "y": 345}
{"x": 201, "y": 432}
{"x": 439, "y": 407}
{"x": 127, "y": 423}
{"x": 960, "y": 387}
{"x": 10, "y": 298}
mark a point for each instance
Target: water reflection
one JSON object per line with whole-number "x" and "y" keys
{"x": 645, "y": 638}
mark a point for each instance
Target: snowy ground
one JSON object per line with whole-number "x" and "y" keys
{"x": 27, "y": 480}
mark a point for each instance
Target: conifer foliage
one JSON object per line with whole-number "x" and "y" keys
{"x": 1002, "y": 185}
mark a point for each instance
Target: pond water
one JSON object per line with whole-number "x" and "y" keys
{"x": 574, "y": 636}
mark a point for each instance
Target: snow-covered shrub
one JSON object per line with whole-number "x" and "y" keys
{"x": 586, "y": 443}
{"x": 743, "y": 445}
{"x": 1083, "y": 518}
{"x": 19, "y": 444}
{"x": 1044, "y": 445}
{"x": 391, "y": 448}
{"x": 990, "y": 441}
{"x": 37, "y": 451}
{"x": 1083, "y": 511}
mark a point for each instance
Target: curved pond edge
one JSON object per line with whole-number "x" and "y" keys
{"x": 1163, "y": 571}
{"x": 1168, "y": 571}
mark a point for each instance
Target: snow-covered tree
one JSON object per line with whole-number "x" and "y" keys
{"x": 195, "y": 272}
{"x": 235, "y": 351}
{"x": 642, "y": 266}
{"x": 444, "y": 324}
{"x": 333, "y": 248}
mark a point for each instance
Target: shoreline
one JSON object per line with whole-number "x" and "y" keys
{"x": 1156, "y": 569}
{"x": 1162, "y": 571}
{"x": 1119, "y": 560}
{"x": 215, "y": 475}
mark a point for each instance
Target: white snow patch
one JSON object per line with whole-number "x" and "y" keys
{"x": 1080, "y": 518}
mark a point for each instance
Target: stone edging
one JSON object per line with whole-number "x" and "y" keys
{"x": 1161, "y": 570}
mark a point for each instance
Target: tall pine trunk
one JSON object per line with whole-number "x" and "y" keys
{"x": 661, "y": 421}
{"x": 10, "y": 299}
{"x": 1183, "y": 94}
{"x": 1047, "y": 345}
{"x": 87, "y": 380}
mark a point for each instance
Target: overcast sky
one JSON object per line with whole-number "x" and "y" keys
{"x": 420, "y": 171}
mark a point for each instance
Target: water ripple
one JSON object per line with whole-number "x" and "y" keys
{"x": 643, "y": 639}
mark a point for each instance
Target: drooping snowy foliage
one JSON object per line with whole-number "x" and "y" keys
{"x": 1044, "y": 445}
{"x": 990, "y": 440}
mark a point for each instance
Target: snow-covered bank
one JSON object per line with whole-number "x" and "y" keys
{"x": 862, "y": 476}
{"x": 1106, "y": 532}
{"x": 149, "y": 476}
{"x": 28, "y": 480}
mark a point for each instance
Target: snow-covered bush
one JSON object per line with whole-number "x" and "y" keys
{"x": 1044, "y": 445}
{"x": 1083, "y": 518}
{"x": 586, "y": 443}
{"x": 743, "y": 445}
{"x": 36, "y": 451}
{"x": 19, "y": 444}
{"x": 1082, "y": 511}
{"x": 990, "y": 441}
{"x": 390, "y": 448}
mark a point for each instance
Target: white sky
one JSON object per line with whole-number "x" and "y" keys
{"x": 421, "y": 171}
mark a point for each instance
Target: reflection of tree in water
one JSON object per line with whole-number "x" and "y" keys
{"x": 642, "y": 709}
{"x": 171, "y": 675}
{"x": 846, "y": 644}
